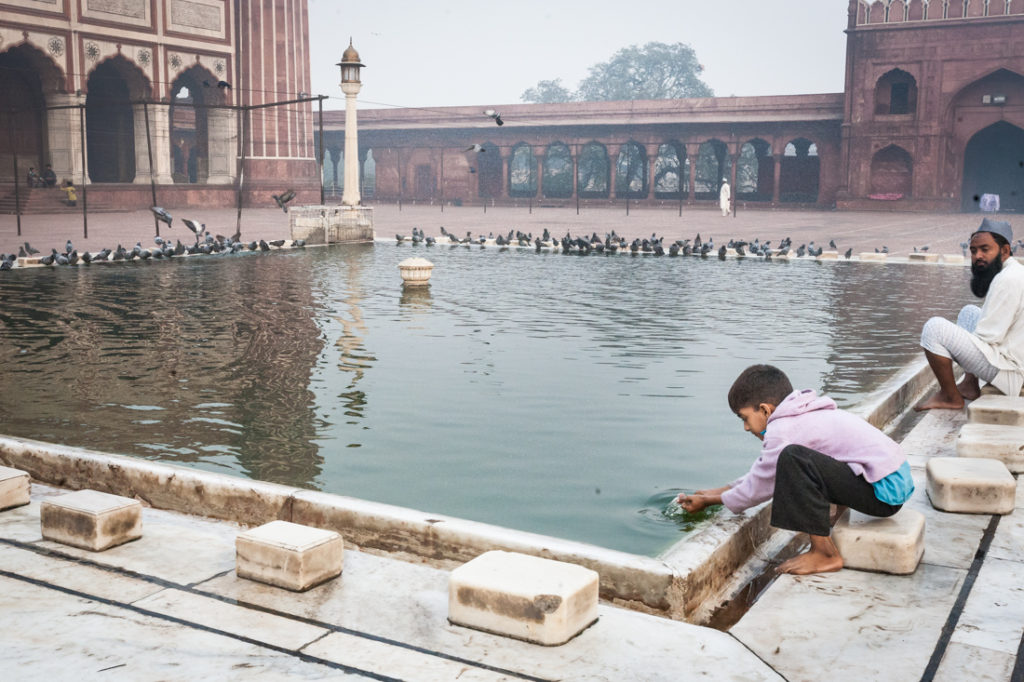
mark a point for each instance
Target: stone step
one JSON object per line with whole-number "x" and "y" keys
{"x": 289, "y": 555}
{"x": 517, "y": 595}
{"x": 971, "y": 485}
{"x": 996, "y": 409}
{"x": 989, "y": 389}
{"x": 887, "y": 545}
{"x": 992, "y": 441}
{"x": 14, "y": 487}
{"x": 91, "y": 520}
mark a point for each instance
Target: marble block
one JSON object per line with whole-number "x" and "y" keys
{"x": 887, "y": 545}
{"x": 922, "y": 257}
{"x": 953, "y": 258}
{"x": 991, "y": 441}
{"x": 871, "y": 257}
{"x": 989, "y": 389}
{"x": 828, "y": 255}
{"x": 996, "y": 409}
{"x": 91, "y": 520}
{"x": 538, "y": 600}
{"x": 289, "y": 555}
{"x": 969, "y": 485}
{"x": 14, "y": 487}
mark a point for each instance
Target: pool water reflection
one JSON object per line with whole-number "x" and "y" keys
{"x": 558, "y": 394}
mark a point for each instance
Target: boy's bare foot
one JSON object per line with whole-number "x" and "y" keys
{"x": 811, "y": 562}
{"x": 823, "y": 557}
{"x": 941, "y": 402}
{"x": 969, "y": 388}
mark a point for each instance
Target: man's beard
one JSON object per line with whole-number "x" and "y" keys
{"x": 981, "y": 277}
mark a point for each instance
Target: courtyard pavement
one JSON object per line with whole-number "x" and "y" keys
{"x": 170, "y": 607}
{"x": 861, "y": 231}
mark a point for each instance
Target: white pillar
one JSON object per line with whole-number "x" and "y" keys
{"x": 64, "y": 136}
{"x": 221, "y": 132}
{"x": 350, "y": 194}
{"x": 159, "y": 138}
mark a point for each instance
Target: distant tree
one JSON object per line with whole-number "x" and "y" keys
{"x": 651, "y": 71}
{"x": 548, "y": 92}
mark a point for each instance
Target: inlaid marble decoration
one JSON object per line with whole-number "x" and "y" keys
{"x": 197, "y": 17}
{"x": 134, "y": 12}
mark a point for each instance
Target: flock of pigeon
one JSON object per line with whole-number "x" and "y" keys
{"x": 205, "y": 244}
{"x": 613, "y": 243}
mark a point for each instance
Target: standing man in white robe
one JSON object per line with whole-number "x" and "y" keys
{"x": 724, "y": 195}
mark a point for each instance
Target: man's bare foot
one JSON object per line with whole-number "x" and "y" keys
{"x": 941, "y": 402}
{"x": 969, "y": 388}
{"x": 811, "y": 562}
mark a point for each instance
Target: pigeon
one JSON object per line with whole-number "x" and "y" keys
{"x": 849, "y": 252}
{"x": 832, "y": 244}
{"x": 223, "y": 85}
{"x": 21, "y": 252}
{"x": 491, "y": 113}
{"x": 298, "y": 243}
{"x": 476, "y": 148}
{"x": 278, "y": 243}
{"x": 86, "y": 257}
{"x": 195, "y": 226}
{"x": 161, "y": 214}
{"x": 264, "y": 246}
{"x": 68, "y": 248}
{"x": 6, "y": 264}
{"x": 721, "y": 252}
{"x": 31, "y": 251}
{"x": 283, "y": 198}
{"x": 48, "y": 260}
{"x": 399, "y": 238}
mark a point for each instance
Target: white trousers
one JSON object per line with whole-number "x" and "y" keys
{"x": 942, "y": 337}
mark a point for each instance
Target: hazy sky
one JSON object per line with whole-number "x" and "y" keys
{"x": 456, "y": 52}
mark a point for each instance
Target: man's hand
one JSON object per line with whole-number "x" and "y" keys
{"x": 694, "y": 502}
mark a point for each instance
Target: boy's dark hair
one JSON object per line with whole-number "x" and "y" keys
{"x": 759, "y": 384}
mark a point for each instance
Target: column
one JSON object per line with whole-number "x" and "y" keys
{"x": 159, "y": 139}
{"x": 777, "y": 171}
{"x": 64, "y": 137}
{"x": 350, "y": 192}
{"x": 692, "y": 153}
{"x": 221, "y": 134}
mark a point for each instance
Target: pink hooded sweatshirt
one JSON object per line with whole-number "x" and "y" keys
{"x": 804, "y": 418}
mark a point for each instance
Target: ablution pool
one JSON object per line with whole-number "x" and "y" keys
{"x": 564, "y": 395}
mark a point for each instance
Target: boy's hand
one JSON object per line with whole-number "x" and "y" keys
{"x": 693, "y": 503}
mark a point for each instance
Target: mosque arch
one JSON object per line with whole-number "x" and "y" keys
{"x": 713, "y": 165}
{"x": 110, "y": 127}
{"x": 876, "y": 12}
{"x": 799, "y": 172}
{"x": 522, "y": 171}
{"x": 631, "y": 181}
{"x": 896, "y": 12}
{"x": 976, "y": 8}
{"x": 896, "y": 93}
{"x": 26, "y": 77}
{"x": 992, "y": 165}
{"x": 892, "y": 172}
{"x": 556, "y": 181}
{"x": 593, "y": 174}
{"x": 489, "y": 171}
{"x": 192, "y": 92}
{"x": 368, "y": 174}
{"x": 916, "y": 10}
{"x": 1016, "y": 7}
{"x": 669, "y": 164}
{"x": 755, "y": 171}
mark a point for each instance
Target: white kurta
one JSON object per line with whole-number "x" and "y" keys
{"x": 1000, "y": 331}
{"x": 723, "y": 198}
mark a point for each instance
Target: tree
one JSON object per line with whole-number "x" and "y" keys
{"x": 651, "y": 71}
{"x": 548, "y": 92}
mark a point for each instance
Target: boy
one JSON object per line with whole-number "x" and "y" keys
{"x": 813, "y": 455}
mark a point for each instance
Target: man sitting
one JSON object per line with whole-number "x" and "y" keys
{"x": 987, "y": 342}
{"x": 33, "y": 178}
{"x": 49, "y": 177}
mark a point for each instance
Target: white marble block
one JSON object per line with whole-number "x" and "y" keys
{"x": 91, "y": 520}
{"x": 996, "y": 409}
{"x": 989, "y": 389}
{"x": 953, "y": 258}
{"x": 871, "y": 257}
{"x": 289, "y": 555}
{"x": 972, "y": 486}
{"x": 923, "y": 257}
{"x": 14, "y": 487}
{"x": 889, "y": 545}
{"x": 991, "y": 441}
{"x": 828, "y": 255}
{"x": 538, "y": 600}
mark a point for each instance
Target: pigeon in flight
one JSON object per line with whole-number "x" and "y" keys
{"x": 161, "y": 214}
{"x": 491, "y": 113}
{"x": 283, "y": 198}
{"x": 476, "y": 148}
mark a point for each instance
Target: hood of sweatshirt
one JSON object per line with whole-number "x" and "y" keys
{"x": 801, "y": 402}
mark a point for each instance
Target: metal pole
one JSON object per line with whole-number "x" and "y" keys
{"x": 241, "y": 169}
{"x": 85, "y": 195}
{"x": 442, "y": 179}
{"x": 17, "y": 186}
{"x": 152, "y": 178}
{"x": 399, "y": 179}
{"x": 320, "y": 102}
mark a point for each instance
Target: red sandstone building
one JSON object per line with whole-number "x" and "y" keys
{"x": 98, "y": 88}
{"x": 931, "y": 118}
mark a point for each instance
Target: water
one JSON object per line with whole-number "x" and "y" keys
{"x": 565, "y": 395}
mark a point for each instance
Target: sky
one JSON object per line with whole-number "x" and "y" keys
{"x": 431, "y": 53}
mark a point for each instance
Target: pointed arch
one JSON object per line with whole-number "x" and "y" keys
{"x": 522, "y": 171}
{"x": 631, "y": 179}
{"x": 27, "y": 76}
{"x": 593, "y": 171}
{"x": 669, "y": 180}
{"x": 557, "y": 177}
{"x": 489, "y": 171}
{"x": 800, "y": 172}
{"x": 111, "y": 88}
{"x": 191, "y": 91}
{"x": 992, "y": 165}
{"x": 892, "y": 172}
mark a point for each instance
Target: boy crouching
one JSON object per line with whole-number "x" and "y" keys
{"x": 813, "y": 455}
